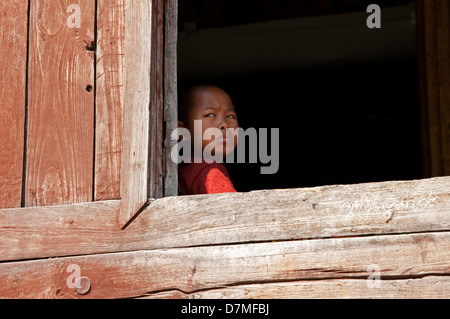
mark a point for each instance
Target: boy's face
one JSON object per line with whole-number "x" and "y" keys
{"x": 214, "y": 108}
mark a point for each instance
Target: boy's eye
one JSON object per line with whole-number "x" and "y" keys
{"x": 231, "y": 116}
{"x": 209, "y": 115}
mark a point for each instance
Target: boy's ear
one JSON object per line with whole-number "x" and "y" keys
{"x": 180, "y": 125}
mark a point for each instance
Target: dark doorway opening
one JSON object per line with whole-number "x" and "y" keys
{"x": 344, "y": 97}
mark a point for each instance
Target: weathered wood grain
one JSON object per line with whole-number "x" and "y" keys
{"x": 430, "y": 287}
{"x": 136, "y": 116}
{"x": 60, "y": 142}
{"x": 131, "y": 274}
{"x": 13, "y": 61}
{"x": 170, "y": 96}
{"x": 320, "y": 212}
{"x": 339, "y": 210}
{"x": 60, "y": 230}
{"x": 109, "y": 98}
{"x": 155, "y": 183}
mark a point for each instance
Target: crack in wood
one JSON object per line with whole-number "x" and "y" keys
{"x": 249, "y": 284}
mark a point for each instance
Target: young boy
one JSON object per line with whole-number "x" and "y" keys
{"x": 214, "y": 108}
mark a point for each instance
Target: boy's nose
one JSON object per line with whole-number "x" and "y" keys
{"x": 224, "y": 125}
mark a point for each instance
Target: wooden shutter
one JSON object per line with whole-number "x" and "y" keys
{"x": 85, "y": 104}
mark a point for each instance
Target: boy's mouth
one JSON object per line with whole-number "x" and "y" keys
{"x": 225, "y": 137}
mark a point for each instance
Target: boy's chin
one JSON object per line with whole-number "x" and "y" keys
{"x": 218, "y": 157}
{"x": 218, "y": 151}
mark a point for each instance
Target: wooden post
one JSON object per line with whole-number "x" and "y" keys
{"x": 134, "y": 165}
{"x": 170, "y": 95}
{"x": 155, "y": 176}
{"x": 434, "y": 57}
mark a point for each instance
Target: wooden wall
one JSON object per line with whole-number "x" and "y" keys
{"x": 13, "y": 62}
{"x": 61, "y": 96}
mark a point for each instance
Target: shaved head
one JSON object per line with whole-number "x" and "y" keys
{"x": 188, "y": 98}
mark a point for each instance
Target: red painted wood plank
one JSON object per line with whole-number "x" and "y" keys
{"x": 13, "y": 59}
{"x": 61, "y": 103}
{"x": 109, "y": 98}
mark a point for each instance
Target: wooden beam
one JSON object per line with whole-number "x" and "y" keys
{"x": 430, "y": 287}
{"x": 136, "y": 117}
{"x": 13, "y": 57}
{"x": 41, "y": 232}
{"x": 267, "y": 215}
{"x": 305, "y": 213}
{"x": 132, "y": 274}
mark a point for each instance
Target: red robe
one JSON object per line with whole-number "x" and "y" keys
{"x": 204, "y": 178}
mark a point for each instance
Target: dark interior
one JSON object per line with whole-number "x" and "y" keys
{"x": 344, "y": 97}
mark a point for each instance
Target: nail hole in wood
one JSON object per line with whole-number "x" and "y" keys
{"x": 90, "y": 46}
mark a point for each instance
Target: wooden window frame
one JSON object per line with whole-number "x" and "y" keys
{"x": 150, "y": 101}
{"x": 141, "y": 164}
{"x": 150, "y": 111}
{"x": 269, "y": 225}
